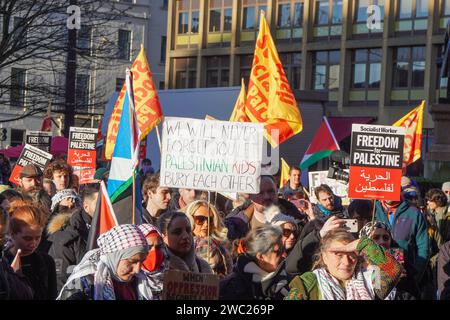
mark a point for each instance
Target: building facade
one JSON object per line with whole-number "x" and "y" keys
{"x": 373, "y": 57}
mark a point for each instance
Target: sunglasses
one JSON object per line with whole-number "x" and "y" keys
{"x": 384, "y": 237}
{"x": 200, "y": 220}
{"x": 287, "y": 233}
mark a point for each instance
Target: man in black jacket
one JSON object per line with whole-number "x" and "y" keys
{"x": 69, "y": 234}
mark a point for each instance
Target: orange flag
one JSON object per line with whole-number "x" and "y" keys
{"x": 238, "y": 114}
{"x": 270, "y": 99}
{"x": 284, "y": 173}
{"x": 413, "y": 122}
{"x": 146, "y": 101}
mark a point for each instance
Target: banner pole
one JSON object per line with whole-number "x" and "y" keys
{"x": 159, "y": 138}
{"x": 209, "y": 236}
{"x": 134, "y": 198}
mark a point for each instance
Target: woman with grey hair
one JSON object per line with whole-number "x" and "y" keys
{"x": 259, "y": 272}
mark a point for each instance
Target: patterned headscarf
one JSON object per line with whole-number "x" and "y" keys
{"x": 119, "y": 243}
{"x": 368, "y": 228}
{"x": 64, "y": 194}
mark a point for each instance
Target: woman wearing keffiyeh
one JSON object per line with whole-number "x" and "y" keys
{"x": 113, "y": 271}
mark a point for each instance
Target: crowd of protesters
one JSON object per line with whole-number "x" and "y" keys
{"x": 276, "y": 244}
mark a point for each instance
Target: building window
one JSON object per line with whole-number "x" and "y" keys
{"x": 82, "y": 91}
{"x": 361, "y": 9}
{"x": 411, "y": 15}
{"x": 185, "y": 72}
{"x": 217, "y": 71}
{"x": 409, "y": 67}
{"x": 163, "y": 49}
{"x": 290, "y": 19}
{"x": 16, "y": 137}
{"x": 18, "y": 83}
{"x": 164, "y": 4}
{"x": 445, "y": 10}
{"x": 188, "y": 16}
{"x": 361, "y": 17}
{"x": 326, "y": 70}
{"x": 292, "y": 63}
{"x": 328, "y": 12}
{"x": 245, "y": 67}
{"x": 84, "y": 39}
{"x": 366, "y": 68}
{"x": 124, "y": 44}
{"x": 19, "y": 32}
{"x": 161, "y": 85}
{"x": 119, "y": 84}
{"x": 220, "y": 13}
{"x": 251, "y": 10}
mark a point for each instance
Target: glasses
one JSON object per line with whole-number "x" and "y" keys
{"x": 287, "y": 233}
{"x": 200, "y": 220}
{"x": 385, "y": 237}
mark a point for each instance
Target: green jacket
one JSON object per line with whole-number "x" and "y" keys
{"x": 306, "y": 287}
{"x": 409, "y": 231}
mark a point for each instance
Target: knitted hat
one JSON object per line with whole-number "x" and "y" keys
{"x": 446, "y": 186}
{"x": 367, "y": 229}
{"x": 274, "y": 216}
{"x": 64, "y": 194}
{"x": 100, "y": 173}
{"x": 121, "y": 237}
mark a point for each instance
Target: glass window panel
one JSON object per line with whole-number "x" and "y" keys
{"x": 246, "y": 60}
{"x": 421, "y": 8}
{"x": 374, "y": 75}
{"x": 295, "y": 80}
{"x": 335, "y": 57}
{"x": 380, "y": 3}
{"x": 214, "y": 20}
{"x": 212, "y": 78}
{"x": 180, "y": 64}
{"x": 263, "y": 8}
{"x": 225, "y": 62}
{"x": 195, "y": 21}
{"x": 212, "y": 62}
{"x": 322, "y": 10}
{"x": 361, "y": 13}
{"x": 298, "y": 14}
{"x": 321, "y": 57}
{"x": 333, "y": 80}
{"x": 401, "y": 75}
{"x": 224, "y": 78}
{"x": 284, "y": 15}
{"x": 296, "y": 59}
{"x": 183, "y": 4}
{"x": 359, "y": 75}
{"x": 192, "y": 63}
{"x": 403, "y": 54}
{"x": 192, "y": 78}
{"x": 249, "y": 18}
{"x": 375, "y": 55}
{"x": 447, "y": 8}
{"x": 418, "y": 53}
{"x": 227, "y": 20}
{"x": 180, "y": 80}
{"x": 405, "y": 9}
{"x": 183, "y": 22}
{"x": 320, "y": 77}
{"x": 418, "y": 74}
{"x": 195, "y": 4}
{"x": 337, "y": 11}
{"x": 361, "y": 55}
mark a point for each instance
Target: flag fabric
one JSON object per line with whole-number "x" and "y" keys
{"x": 284, "y": 173}
{"x": 413, "y": 122}
{"x": 270, "y": 99}
{"x": 146, "y": 100}
{"x": 322, "y": 145}
{"x": 124, "y": 164}
{"x": 103, "y": 219}
{"x": 238, "y": 114}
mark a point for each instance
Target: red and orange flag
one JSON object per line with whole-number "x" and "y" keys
{"x": 270, "y": 99}
{"x": 413, "y": 122}
{"x": 146, "y": 101}
{"x": 238, "y": 114}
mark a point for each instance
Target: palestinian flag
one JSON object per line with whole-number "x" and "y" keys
{"x": 323, "y": 144}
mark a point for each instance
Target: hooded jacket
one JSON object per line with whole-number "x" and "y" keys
{"x": 68, "y": 235}
{"x": 409, "y": 231}
{"x": 249, "y": 282}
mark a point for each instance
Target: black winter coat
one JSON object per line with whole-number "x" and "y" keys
{"x": 69, "y": 244}
{"x": 13, "y": 286}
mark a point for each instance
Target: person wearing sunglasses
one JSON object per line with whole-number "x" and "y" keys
{"x": 287, "y": 224}
{"x": 210, "y": 236}
{"x": 259, "y": 272}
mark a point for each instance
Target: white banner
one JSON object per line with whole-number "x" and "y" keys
{"x": 217, "y": 156}
{"x": 316, "y": 178}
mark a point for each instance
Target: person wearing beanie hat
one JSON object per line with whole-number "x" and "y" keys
{"x": 287, "y": 224}
{"x": 30, "y": 177}
{"x": 101, "y": 174}
{"x": 113, "y": 271}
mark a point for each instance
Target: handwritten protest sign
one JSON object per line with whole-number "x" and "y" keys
{"x": 39, "y": 139}
{"x": 30, "y": 154}
{"x": 82, "y": 154}
{"x": 316, "y": 178}
{"x": 376, "y": 162}
{"x": 218, "y": 156}
{"x": 181, "y": 285}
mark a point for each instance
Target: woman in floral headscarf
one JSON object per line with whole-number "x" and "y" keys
{"x": 113, "y": 271}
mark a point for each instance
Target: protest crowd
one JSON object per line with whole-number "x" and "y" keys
{"x": 210, "y": 223}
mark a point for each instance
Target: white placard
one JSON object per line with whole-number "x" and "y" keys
{"x": 316, "y": 178}
{"x": 218, "y": 156}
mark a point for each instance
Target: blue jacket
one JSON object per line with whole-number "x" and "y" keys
{"x": 409, "y": 230}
